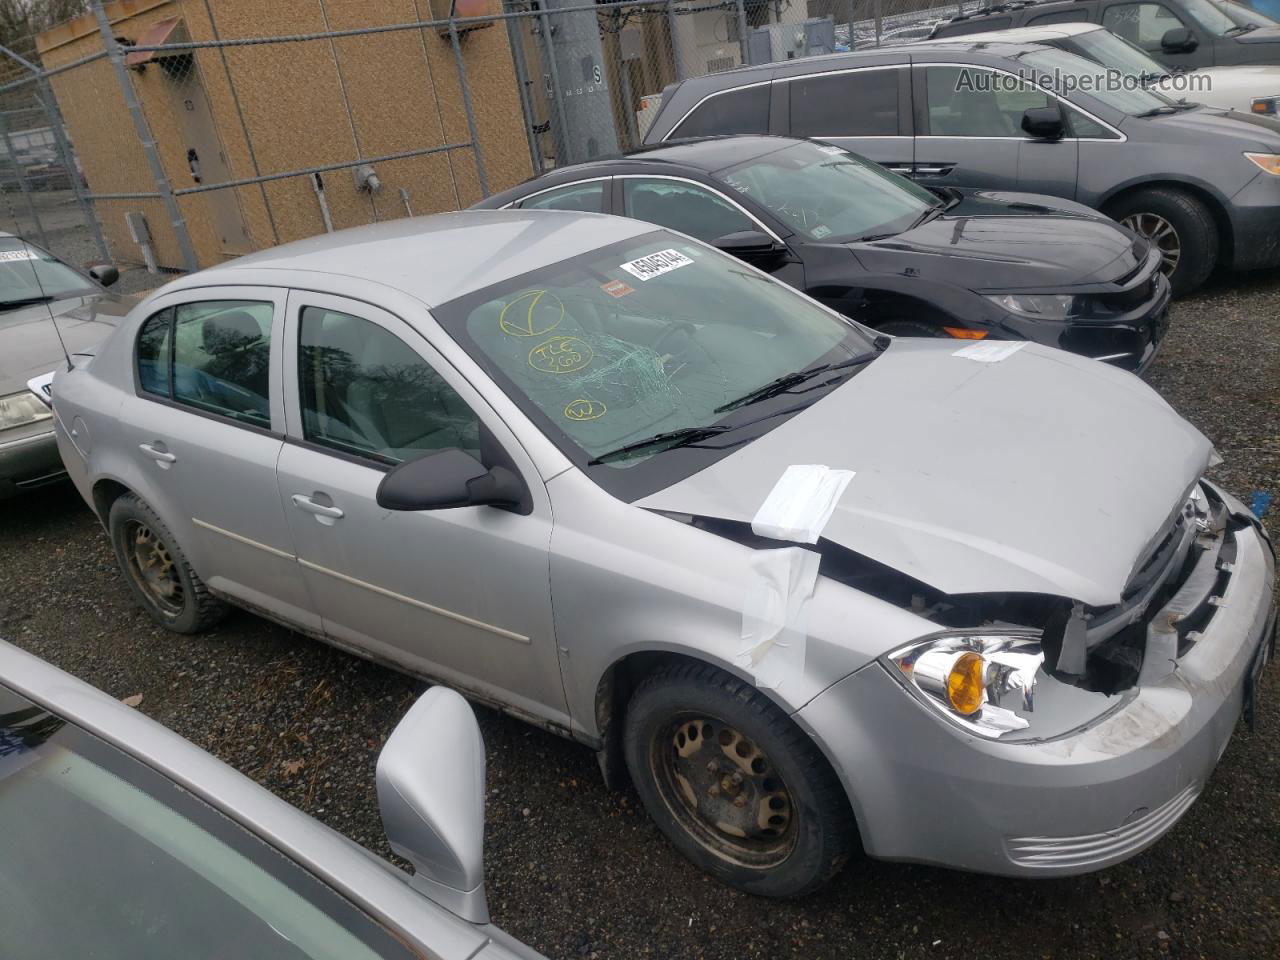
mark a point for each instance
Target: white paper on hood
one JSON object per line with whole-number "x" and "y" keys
{"x": 772, "y": 643}
{"x": 801, "y": 503}
{"x": 989, "y": 351}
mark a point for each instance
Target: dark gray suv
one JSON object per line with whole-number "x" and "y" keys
{"x": 1202, "y": 183}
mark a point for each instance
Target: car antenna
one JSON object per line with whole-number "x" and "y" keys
{"x": 31, "y": 257}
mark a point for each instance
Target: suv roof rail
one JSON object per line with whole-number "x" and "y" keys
{"x": 998, "y": 8}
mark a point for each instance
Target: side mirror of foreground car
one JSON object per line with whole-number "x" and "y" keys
{"x": 449, "y": 478}
{"x": 431, "y": 785}
{"x": 1044, "y": 123}
{"x": 105, "y": 273}
{"x": 1178, "y": 40}
{"x": 753, "y": 246}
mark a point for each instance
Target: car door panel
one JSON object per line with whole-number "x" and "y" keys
{"x": 461, "y": 594}
{"x": 213, "y": 480}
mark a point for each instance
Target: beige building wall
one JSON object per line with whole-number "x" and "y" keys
{"x": 284, "y": 106}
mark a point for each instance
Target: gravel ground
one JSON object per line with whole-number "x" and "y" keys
{"x": 579, "y": 872}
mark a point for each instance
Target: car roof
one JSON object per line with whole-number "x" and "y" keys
{"x": 707, "y": 154}
{"x": 436, "y": 258}
{"x": 1016, "y": 35}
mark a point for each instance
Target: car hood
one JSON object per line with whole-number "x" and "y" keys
{"x": 1041, "y": 473}
{"x": 29, "y": 343}
{"x": 1258, "y": 77}
{"x": 1261, "y": 35}
{"x": 989, "y": 242}
{"x": 1226, "y": 128}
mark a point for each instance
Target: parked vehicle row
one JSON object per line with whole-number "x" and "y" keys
{"x": 1201, "y": 183}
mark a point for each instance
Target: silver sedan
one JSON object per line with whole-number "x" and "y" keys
{"x": 812, "y": 589}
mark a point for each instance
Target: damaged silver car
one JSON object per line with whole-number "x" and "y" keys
{"x": 811, "y": 588}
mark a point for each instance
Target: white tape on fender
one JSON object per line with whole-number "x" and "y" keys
{"x": 989, "y": 351}
{"x": 801, "y": 503}
{"x": 772, "y": 644}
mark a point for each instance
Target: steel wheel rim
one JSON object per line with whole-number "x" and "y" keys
{"x": 153, "y": 569}
{"x": 724, "y": 791}
{"x": 1153, "y": 227}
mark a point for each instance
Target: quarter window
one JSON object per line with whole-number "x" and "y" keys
{"x": 745, "y": 110}
{"x": 583, "y": 197}
{"x": 971, "y": 102}
{"x": 1142, "y": 23}
{"x": 859, "y": 104}
{"x": 222, "y": 358}
{"x": 366, "y": 392}
{"x": 153, "y": 353}
{"x": 684, "y": 207}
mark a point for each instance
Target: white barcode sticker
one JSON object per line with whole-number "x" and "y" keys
{"x": 11, "y": 255}
{"x": 656, "y": 264}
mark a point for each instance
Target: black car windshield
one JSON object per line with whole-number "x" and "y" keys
{"x": 652, "y": 336}
{"x": 826, "y": 193}
{"x": 103, "y": 857}
{"x": 29, "y": 274}
{"x": 1244, "y": 16}
{"x": 1089, "y": 78}
{"x": 1116, "y": 53}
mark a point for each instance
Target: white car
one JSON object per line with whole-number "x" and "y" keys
{"x": 1249, "y": 89}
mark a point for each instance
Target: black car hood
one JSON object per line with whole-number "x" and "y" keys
{"x": 29, "y": 343}
{"x": 986, "y": 242}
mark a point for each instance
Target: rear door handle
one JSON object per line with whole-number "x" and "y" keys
{"x": 322, "y": 511}
{"x": 157, "y": 452}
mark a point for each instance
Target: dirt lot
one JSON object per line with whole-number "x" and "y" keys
{"x": 580, "y": 872}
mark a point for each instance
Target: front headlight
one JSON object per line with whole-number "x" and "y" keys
{"x": 1039, "y": 306}
{"x": 20, "y": 409}
{"x": 1266, "y": 106}
{"x": 1270, "y": 162}
{"x": 976, "y": 681}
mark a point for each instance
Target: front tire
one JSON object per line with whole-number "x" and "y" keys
{"x": 1181, "y": 226}
{"x": 737, "y": 787}
{"x": 158, "y": 571}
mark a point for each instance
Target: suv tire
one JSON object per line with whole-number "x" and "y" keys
{"x": 1181, "y": 225}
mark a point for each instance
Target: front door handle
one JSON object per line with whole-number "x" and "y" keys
{"x": 323, "y": 511}
{"x": 932, "y": 171}
{"x": 903, "y": 169}
{"x": 157, "y": 452}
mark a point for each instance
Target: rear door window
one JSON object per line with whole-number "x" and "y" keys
{"x": 745, "y": 110}
{"x": 863, "y": 103}
{"x": 1079, "y": 15}
{"x": 222, "y": 358}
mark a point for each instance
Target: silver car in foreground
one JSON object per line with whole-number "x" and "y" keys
{"x": 809, "y": 587}
{"x": 122, "y": 839}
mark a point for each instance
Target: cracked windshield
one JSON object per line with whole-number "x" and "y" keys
{"x": 647, "y": 337}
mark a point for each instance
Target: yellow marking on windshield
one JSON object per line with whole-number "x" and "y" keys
{"x": 530, "y": 327}
{"x": 561, "y": 355}
{"x": 583, "y": 409}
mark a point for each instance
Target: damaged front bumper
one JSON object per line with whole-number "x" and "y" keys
{"x": 1077, "y": 800}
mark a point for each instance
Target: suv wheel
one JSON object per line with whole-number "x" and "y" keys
{"x": 734, "y": 784}
{"x": 1181, "y": 226}
{"x": 158, "y": 571}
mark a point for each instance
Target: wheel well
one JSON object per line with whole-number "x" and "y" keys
{"x": 1221, "y": 221}
{"x": 105, "y": 493}
{"x": 885, "y": 305}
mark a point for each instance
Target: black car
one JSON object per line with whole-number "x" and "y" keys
{"x": 970, "y": 264}
{"x": 1179, "y": 33}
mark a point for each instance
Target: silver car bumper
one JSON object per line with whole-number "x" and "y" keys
{"x": 925, "y": 791}
{"x": 28, "y": 460}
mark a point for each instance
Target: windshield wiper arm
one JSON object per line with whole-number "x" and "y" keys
{"x": 1242, "y": 28}
{"x": 23, "y": 302}
{"x": 1159, "y": 111}
{"x": 668, "y": 440}
{"x": 785, "y": 382}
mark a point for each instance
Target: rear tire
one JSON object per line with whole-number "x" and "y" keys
{"x": 1181, "y": 226}
{"x": 157, "y": 570}
{"x": 734, "y": 784}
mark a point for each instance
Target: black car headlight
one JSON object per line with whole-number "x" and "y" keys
{"x": 978, "y": 681}
{"x": 20, "y": 409}
{"x": 1040, "y": 306}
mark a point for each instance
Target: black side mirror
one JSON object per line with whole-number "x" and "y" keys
{"x": 753, "y": 246}
{"x": 1179, "y": 40}
{"x": 450, "y": 478}
{"x": 1044, "y": 123}
{"x": 105, "y": 273}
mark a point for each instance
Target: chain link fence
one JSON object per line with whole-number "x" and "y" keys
{"x": 175, "y": 134}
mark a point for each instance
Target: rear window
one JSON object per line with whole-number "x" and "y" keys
{"x": 745, "y": 110}
{"x": 859, "y": 104}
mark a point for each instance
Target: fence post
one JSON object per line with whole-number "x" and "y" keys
{"x": 673, "y": 31}
{"x": 145, "y": 139}
{"x": 879, "y": 12}
{"x": 745, "y": 47}
{"x": 557, "y": 92}
{"x": 466, "y": 105}
{"x": 516, "y": 39}
{"x": 12, "y": 157}
{"x": 46, "y": 99}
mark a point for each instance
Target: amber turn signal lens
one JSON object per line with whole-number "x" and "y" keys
{"x": 965, "y": 684}
{"x": 1269, "y": 162}
{"x": 964, "y": 333}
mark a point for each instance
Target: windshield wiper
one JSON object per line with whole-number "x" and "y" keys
{"x": 668, "y": 440}
{"x": 785, "y": 382}
{"x": 23, "y": 302}
{"x": 1243, "y": 28}
{"x": 1160, "y": 111}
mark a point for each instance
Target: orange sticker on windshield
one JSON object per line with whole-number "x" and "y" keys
{"x": 617, "y": 288}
